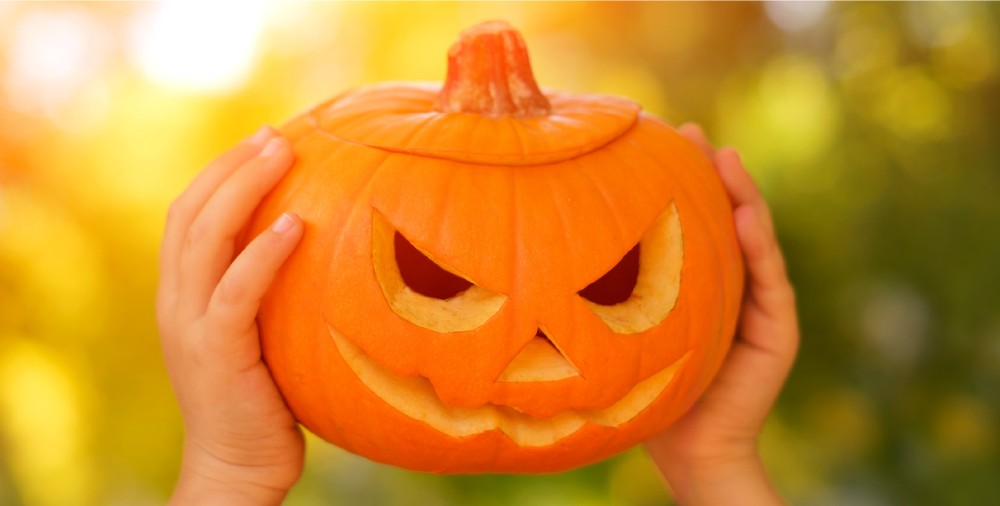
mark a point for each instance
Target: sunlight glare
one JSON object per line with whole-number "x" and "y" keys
{"x": 198, "y": 46}
{"x": 796, "y": 16}
{"x": 54, "y": 55}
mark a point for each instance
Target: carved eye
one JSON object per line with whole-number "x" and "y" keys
{"x": 422, "y": 275}
{"x": 617, "y": 284}
{"x": 424, "y": 291}
{"x": 641, "y": 289}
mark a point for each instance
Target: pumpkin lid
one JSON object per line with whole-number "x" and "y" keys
{"x": 488, "y": 111}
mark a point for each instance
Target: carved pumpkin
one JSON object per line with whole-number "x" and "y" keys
{"x": 493, "y": 279}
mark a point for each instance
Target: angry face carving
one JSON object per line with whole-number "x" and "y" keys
{"x": 646, "y": 282}
{"x": 501, "y": 294}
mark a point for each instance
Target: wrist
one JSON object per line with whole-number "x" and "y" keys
{"x": 194, "y": 488}
{"x": 734, "y": 477}
{"x": 206, "y": 479}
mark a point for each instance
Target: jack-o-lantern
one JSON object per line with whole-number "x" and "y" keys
{"x": 492, "y": 278}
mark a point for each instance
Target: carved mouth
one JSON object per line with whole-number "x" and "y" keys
{"x": 414, "y": 397}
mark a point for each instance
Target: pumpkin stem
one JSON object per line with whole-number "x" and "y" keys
{"x": 489, "y": 74}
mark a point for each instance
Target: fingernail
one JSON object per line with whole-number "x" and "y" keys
{"x": 271, "y": 148}
{"x": 262, "y": 134}
{"x": 283, "y": 224}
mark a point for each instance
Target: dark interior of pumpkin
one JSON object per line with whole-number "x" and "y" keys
{"x": 425, "y": 277}
{"x": 617, "y": 284}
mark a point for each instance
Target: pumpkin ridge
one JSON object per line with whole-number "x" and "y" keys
{"x": 516, "y": 232}
{"x": 696, "y": 206}
{"x": 556, "y": 156}
{"x": 624, "y": 165}
{"x": 698, "y": 212}
{"x": 361, "y": 116}
{"x": 553, "y": 193}
{"x": 360, "y": 119}
{"x": 520, "y": 140}
{"x": 359, "y": 203}
{"x": 629, "y": 160}
{"x": 589, "y": 176}
{"x": 712, "y": 226}
{"x": 418, "y": 129}
{"x": 567, "y": 154}
{"x": 442, "y": 202}
{"x": 717, "y": 238}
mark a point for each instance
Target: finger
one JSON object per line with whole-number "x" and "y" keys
{"x": 768, "y": 335}
{"x": 768, "y": 285}
{"x": 740, "y": 186}
{"x": 696, "y": 135}
{"x": 747, "y": 387}
{"x": 234, "y": 303}
{"x": 187, "y": 206}
{"x": 210, "y": 245}
{"x": 764, "y": 351}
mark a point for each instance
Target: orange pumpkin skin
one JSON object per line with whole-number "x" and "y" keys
{"x": 532, "y": 209}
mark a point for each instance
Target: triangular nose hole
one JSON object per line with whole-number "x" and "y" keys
{"x": 539, "y": 360}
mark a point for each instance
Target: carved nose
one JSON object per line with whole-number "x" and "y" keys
{"x": 539, "y": 360}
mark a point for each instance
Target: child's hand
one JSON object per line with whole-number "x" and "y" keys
{"x": 241, "y": 444}
{"x": 709, "y": 456}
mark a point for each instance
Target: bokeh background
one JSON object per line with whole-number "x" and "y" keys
{"x": 874, "y": 130}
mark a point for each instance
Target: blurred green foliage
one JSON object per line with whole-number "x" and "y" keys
{"x": 874, "y": 130}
